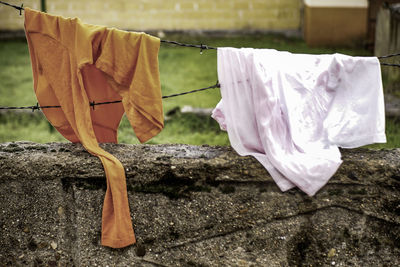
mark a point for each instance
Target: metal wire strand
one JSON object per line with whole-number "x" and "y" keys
{"x": 206, "y": 47}
{"x": 388, "y": 56}
{"x": 201, "y": 46}
{"x": 20, "y": 8}
{"x": 93, "y": 103}
{"x": 217, "y": 85}
{"x": 390, "y": 65}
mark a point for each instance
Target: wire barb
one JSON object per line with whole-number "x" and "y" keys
{"x": 20, "y": 8}
{"x": 93, "y": 103}
{"x": 201, "y": 46}
{"x": 206, "y": 47}
{"x": 36, "y": 107}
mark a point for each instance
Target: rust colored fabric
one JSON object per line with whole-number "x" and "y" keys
{"x": 74, "y": 64}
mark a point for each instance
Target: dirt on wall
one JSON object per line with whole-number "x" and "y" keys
{"x": 195, "y": 206}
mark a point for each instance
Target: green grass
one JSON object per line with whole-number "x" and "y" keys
{"x": 181, "y": 129}
{"x": 181, "y": 69}
{"x": 392, "y": 135}
{"x": 16, "y": 86}
{"x": 27, "y": 126}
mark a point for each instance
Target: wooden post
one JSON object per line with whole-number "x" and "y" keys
{"x": 387, "y": 41}
{"x": 43, "y": 5}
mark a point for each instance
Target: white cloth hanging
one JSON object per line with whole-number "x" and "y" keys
{"x": 292, "y": 111}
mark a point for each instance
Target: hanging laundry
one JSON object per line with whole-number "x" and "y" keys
{"x": 75, "y": 63}
{"x": 292, "y": 111}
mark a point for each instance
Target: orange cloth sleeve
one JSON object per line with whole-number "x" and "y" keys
{"x": 142, "y": 104}
{"x": 74, "y": 64}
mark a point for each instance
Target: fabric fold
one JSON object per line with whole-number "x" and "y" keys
{"x": 75, "y": 64}
{"x": 292, "y": 111}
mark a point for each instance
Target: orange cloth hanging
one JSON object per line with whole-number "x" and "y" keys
{"x": 74, "y": 64}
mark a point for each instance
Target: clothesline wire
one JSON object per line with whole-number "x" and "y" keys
{"x": 20, "y": 8}
{"x": 201, "y": 46}
{"x": 390, "y": 64}
{"x": 93, "y": 103}
{"x": 388, "y": 56}
{"x": 206, "y": 47}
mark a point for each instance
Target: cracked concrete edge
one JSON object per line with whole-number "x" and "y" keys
{"x": 64, "y": 160}
{"x": 194, "y": 205}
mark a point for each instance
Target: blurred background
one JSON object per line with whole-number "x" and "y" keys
{"x": 353, "y": 27}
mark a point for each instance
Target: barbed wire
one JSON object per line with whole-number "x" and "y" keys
{"x": 20, "y": 8}
{"x": 388, "y": 56}
{"x": 201, "y": 46}
{"x": 93, "y": 103}
{"x": 390, "y": 64}
{"x": 217, "y": 85}
{"x": 206, "y": 47}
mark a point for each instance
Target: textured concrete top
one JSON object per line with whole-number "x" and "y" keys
{"x": 195, "y": 206}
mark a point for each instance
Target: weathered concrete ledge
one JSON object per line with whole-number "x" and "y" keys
{"x": 195, "y": 206}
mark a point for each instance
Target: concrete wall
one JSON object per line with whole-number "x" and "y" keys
{"x": 170, "y": 15}
{"x": 195, "y": 206}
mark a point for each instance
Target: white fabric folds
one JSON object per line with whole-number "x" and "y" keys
{"x": 292, "y": 111}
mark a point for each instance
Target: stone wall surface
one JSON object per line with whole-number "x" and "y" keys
{"x": 195, "y": 206}
{"x": 169, "y": 15}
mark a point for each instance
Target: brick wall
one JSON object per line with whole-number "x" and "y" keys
{"x": 169, "y": 14}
